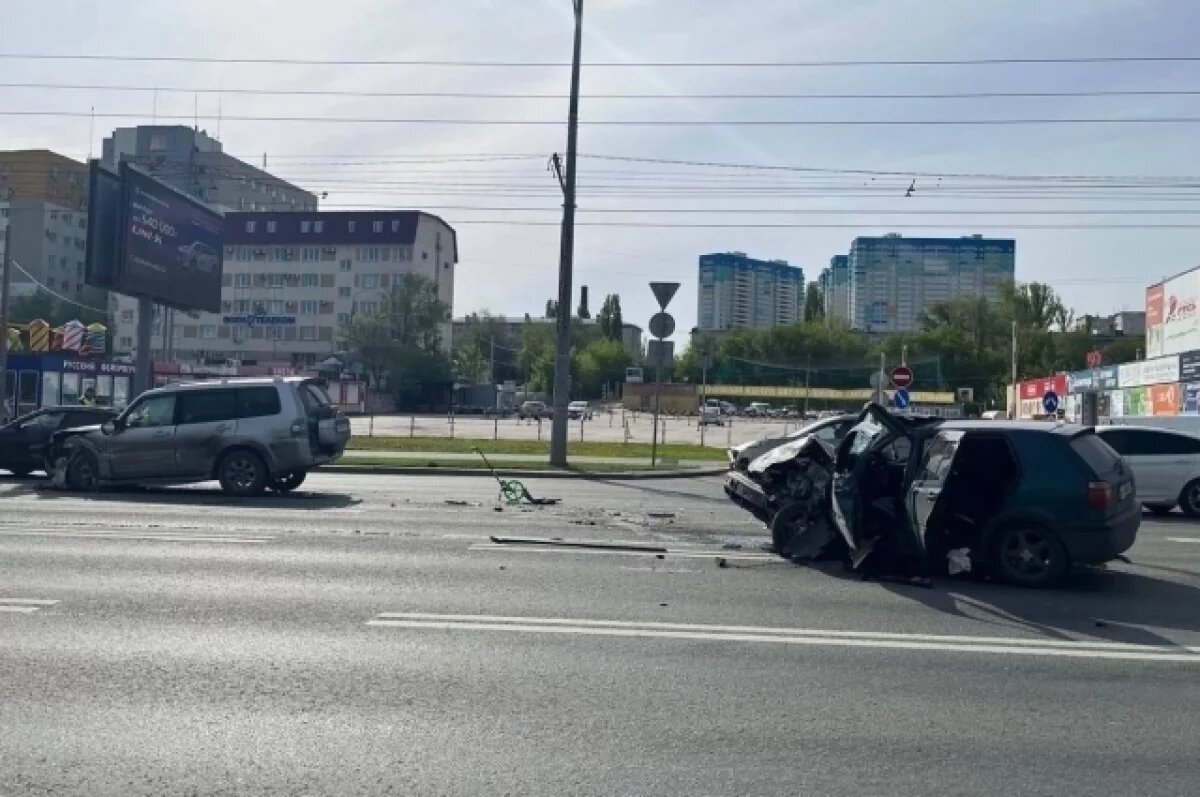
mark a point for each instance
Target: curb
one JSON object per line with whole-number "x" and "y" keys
{"x": 387, "y": 470}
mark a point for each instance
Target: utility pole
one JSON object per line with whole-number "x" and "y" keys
{"x": 4, "y": 291}
{"x": 562, "y": 360}
{"x": 492, "y": 364}
{"x": 807, "y": 374}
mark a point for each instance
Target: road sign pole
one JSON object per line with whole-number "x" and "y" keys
{"x": 654, "y": 433}
{"x": 882, "y": 366}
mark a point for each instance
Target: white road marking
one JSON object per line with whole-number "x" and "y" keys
{"x": 791, "y": 636}
{"x": 671, "y": 554}
{"x": 24, "y": 605}
{"x": 1183, "y": 539}
{"x": 153, "y": 537}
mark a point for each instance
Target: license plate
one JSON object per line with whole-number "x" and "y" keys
{"x": 1124, "y": 491}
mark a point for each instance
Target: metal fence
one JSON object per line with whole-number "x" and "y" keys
{"x": 615, "y": 426}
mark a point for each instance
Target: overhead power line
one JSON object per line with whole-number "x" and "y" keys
{"x": 195, "y": 59}
{"x": 143, "y": 88}
{"x": 860, "y": 226}
{"x": 636, "y": 122}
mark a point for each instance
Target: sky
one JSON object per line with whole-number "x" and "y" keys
{"x": 491, "y": 181}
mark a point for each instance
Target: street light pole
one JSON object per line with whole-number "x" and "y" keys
{"x": 562, "y": 360}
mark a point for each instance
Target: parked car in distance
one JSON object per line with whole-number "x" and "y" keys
{"x": 710, "y": 414}
{"x": 579, "y": 410}
{"x": 250, "y": 434}
{"x": 1165, "y": 463}
{"x": 24, "y": 441}
{"x": 828, "y": 430}
{"x": 533, "y": 410}
{"x": 758, "y": 409}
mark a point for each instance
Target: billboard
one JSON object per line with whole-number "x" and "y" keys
{"x": 171, "y": 249}
{"x": 1180, "y": 313}
{"x": 1154, "y": 320}
{"x": 149, "y": 240}
{"x": 1149, "y": 372}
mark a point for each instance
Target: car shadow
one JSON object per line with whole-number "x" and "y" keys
{"x": 1114, "y": 604}
{"x": 648, "y": 486}
{"x": 199, "y": 496}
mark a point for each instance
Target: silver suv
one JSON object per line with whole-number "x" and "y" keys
{"x": 250, "y": 434}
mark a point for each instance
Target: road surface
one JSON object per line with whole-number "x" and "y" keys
{"x": 367, "y": 637}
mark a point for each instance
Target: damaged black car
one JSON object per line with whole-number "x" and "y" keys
{"x": 1021, "y": 502}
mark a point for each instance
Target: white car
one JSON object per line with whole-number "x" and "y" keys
{"x": 579, "y": 410}
{"x": 1165, "y": 464}
{"x": 829, "y": 430}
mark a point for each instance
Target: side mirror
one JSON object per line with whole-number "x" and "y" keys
{"x": 109, "y": 427}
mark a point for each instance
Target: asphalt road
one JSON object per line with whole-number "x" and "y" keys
{"x": 367, "y": 637}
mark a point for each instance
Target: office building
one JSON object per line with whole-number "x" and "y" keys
{"x": 894, "y": 280}
{"x": 195, "y": 163}
{"x": 43, "y": 196}
{"x": 736, "y": 291}
{"x": 834, "y": 283}
{"x": 291, "y": 279}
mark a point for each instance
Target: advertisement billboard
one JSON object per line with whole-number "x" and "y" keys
{"x": 104, "y": 222}
{"x": 1149, "y": 372}
{"x": 1180, "y": 314}
{"x": 171, "y": 245}
{"x": 147, "y": 239}
{"x": 1154, "y": 320}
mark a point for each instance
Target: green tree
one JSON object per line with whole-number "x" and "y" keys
{"x": 400, "y": 345}
{"x": 601, "y": 361}
{"x": 609, "y": 318}
{"x": 814, "y": 302}
{"x": 52, "y": 310}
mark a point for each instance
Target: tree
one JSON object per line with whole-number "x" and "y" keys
{"x": 609, "y": 319}
{"x": 814, "y": 302}
{"x": 484, "y": 349}
{"x": 600, "y": 361}
{"x": 400, "y": 345}
{"x": 50, "y": 309}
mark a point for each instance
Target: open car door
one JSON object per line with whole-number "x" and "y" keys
{"x": 926, "y": 491}
{"x": 875, "y": 429}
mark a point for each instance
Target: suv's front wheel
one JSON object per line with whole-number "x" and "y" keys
{"x": 286, "y": 482}
{"x": 83, "y": 472}
{"x": 242, "y": 473}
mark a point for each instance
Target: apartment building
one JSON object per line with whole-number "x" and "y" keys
{"x": 835, "y": 287}
{"x": 43, "y": 196}
{"x": 893, "y": 280}
{"x": 737, "y": 291}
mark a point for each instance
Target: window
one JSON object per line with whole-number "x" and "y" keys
{"x": 1144, "y": 443}
{"x": 308, "y": 333}
{"x": 318, "y": 226}
{"x": 350, "y": 226}
{"x": 343, "y": 318}
{"x": 274, "y": 333}
{"x": 310, "y": 280}
{"x": 250, "y": 225}
{"x": 207, "y": 406}
{"x": 308, "y": 307}
{"x": 370, "y": 280}
{"x": 241, "y": 280}
{"x": 153, "y": 412}
{"x": 345, "y": 265}
{"x": 257, "y": 402}
{"x": 125, "y": 343}
{"x": 344, "y": 293}
{"x": 241, "y": 305}
{"x": 127, "y": 316}
{"x": 276, "y": 280}
{"x": 1095, "y": 454}
{"x": 377, "y": 226}
{"x": 367, "y": 307}
{"x": 208, "y": 331}
{"x": 158, "y": 142}
{"x": 271, "y": 226}
{"x": 306, "y": 226}
{"x": 275, "y": 307}
{"x": 395, "y": 225}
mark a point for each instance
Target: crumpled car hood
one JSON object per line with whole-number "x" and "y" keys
{"x": 807, "y": 445}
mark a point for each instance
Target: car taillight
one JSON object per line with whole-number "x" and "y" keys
{"x": 1099, "y": 495}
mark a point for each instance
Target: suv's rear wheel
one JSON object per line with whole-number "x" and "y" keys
{"x": 1189, "y": 499}
{"x": 242, "y": 473}
{"x": 83, "y": 472}
{"x": 286, "y": 482}
{"x": 1029, "y": 556}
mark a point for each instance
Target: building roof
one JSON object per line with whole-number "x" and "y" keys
{"x": 399, "y": 227}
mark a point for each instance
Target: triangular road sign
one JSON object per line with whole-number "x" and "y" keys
{"x": 664, "y": 292}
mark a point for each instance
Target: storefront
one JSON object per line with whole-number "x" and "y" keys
{"x": 45, "y": 381}
{"x": 1031, "y": 395}
{"x": 1149, "y": 388}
